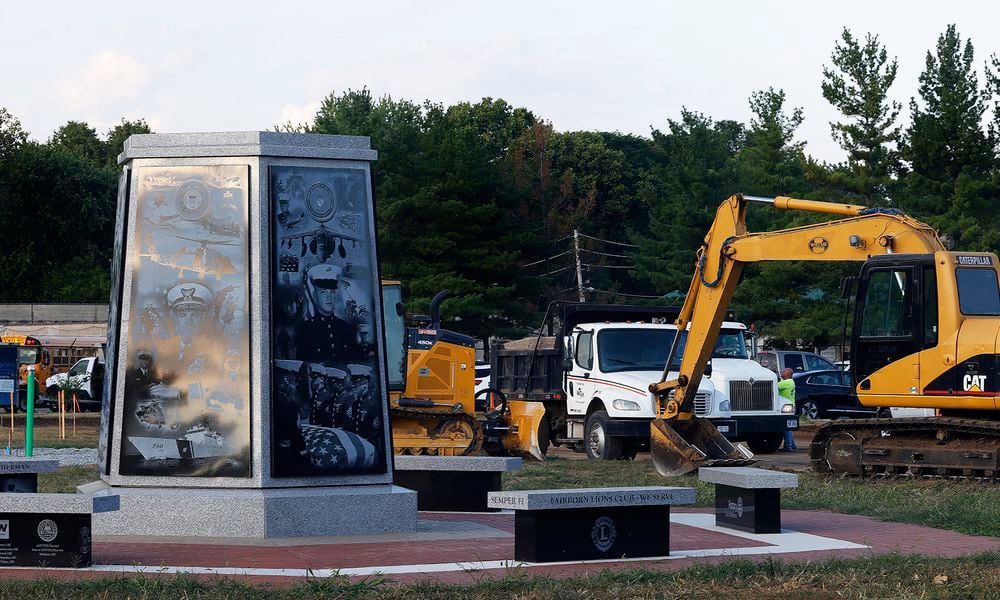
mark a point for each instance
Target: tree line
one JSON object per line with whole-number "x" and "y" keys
{"x": 482, "y": 198}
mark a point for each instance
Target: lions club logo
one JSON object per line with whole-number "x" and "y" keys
{"x": 603, "y": 533}
{"x": 735, "y": 510}
{"x": 47, "y": 530}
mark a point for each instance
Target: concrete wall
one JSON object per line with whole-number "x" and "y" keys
{"x": 53, "y": 313}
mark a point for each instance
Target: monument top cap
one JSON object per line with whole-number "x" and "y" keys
{"x": 247, "y": 143}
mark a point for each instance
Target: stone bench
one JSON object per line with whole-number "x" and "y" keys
{"x": 594, "y": 523}
{"x": 20, "y": 474}
{"x": 452, "y": 483}
{"x": 747, "y": 498}
{"x": 49, "y": 530}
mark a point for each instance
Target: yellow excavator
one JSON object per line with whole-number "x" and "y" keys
{"x": 925, "y": 334}
{"x": 432, "y": 400}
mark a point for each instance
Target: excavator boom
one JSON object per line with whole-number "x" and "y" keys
{"x": 679, "y": 446}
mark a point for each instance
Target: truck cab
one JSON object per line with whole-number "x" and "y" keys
{"x": 85, "y": 379}
{"x": 609, "y": 406}
{"x": 593, "y": 372}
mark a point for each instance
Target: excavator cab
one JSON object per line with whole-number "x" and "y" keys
{"x": 916, "y": 317}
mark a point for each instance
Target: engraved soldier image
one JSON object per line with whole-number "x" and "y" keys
{"x": 187, "y": 303}
{"x": 324, "y": 334}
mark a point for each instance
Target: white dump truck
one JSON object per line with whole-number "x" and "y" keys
{"x": 593, "y": 370}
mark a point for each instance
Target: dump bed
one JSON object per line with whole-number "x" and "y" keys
{"x": 512, "y": 362}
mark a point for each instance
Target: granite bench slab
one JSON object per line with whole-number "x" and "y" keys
{"x": 591, "y": 523}
{"x": 58, "y": 503}
{"x": 22, "y": 465}
{"x": 748, "y": 478}
{"x": 457, "y": 463}
{"x": 591, "y": 498}
{"x": 453, "y": 483}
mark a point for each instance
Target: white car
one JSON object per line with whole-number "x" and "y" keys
{"x": 482, "y": 377}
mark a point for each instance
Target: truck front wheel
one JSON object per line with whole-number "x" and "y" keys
{"x": 766, "y": 443}
{"x": 597, "y": 441}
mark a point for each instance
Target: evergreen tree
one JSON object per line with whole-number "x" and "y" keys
{"x": 692, "y": 174}
{"x": 945, "y": 140}
{"x": 858, "y": 86}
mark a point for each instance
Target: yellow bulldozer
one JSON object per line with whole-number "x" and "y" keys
{"x": 432, "y": 400}
{"x": 925, "y": 334}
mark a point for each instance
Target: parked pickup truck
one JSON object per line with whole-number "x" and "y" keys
{"x": 85, "y": 378}
{"x": 593, "y": 370}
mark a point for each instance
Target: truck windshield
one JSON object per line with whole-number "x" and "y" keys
{"x": 646, "y": 349}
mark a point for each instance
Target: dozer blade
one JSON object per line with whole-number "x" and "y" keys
{"x": 679, "y": 447}
{"x": 525, "y": 418}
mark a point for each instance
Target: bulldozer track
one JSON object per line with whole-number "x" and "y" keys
{"x": 925, "y": 447}
{"x": 441, "y": 418}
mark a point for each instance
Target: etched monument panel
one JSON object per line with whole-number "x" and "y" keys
{"x": 186, "y": 401}
{"x": 326, "y": 406}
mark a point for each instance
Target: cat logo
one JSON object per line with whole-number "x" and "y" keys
{"x": 974, "y": 383}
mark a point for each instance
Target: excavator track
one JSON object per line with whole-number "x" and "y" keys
{"x": 931, "y": 447}
{"x": 439, "y": 432}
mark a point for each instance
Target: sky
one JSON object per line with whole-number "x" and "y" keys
{"x": 583, "y": 65}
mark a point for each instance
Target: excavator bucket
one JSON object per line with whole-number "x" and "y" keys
{"x": 525, "y": 418}
{"x": 679, "y": 447}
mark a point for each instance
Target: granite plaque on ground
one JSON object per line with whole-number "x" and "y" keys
{"x": 45, "y": 540}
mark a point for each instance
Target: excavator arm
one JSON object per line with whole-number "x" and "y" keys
{"x": 680, "y": 442}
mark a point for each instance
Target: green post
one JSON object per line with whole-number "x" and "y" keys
{"x": 29, "y": 426}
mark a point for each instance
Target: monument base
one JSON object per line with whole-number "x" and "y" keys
{"x": 256, "y": 513}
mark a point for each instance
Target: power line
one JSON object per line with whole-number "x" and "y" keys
{"x": 556, "y": 271}
{"x": 604, "y": 253}
{"x": 608, "y": 241}
{"x": 608, "y": 266}
{"x": 629, "y": 295}
{"x": 538, "y": 262}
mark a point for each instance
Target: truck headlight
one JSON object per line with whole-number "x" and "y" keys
{"x": 724, "y": 406}
{"x": 626, "y": 405}
{"x": 787, "y": 409}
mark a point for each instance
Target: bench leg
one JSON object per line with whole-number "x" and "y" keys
{"x": 591, "y": 533}
{"x": 450, "y": 490}
{"x": 45, "y": 540}
{"x": 754, "y": 511}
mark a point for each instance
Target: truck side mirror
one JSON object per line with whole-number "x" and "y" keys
{"x": 708, "y": 369}
{"x": 567, "y": 358}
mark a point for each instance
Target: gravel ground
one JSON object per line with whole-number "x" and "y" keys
{"x": 66, "y": 456}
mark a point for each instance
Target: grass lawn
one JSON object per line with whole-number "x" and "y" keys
{"x": 46, "y": 429}
{"x": 971, "y": 508}
{"x": 883, "y": 577}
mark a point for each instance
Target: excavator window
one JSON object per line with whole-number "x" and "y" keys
{"x": 886, "y": 322}
{"x": 978, "y": 293}
{"x": 887, "y": 312}
{"x": 929, "y": 284}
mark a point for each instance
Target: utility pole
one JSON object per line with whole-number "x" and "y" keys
{"x": 579, "y": 271}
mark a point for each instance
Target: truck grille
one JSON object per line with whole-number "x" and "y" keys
{"x": 702, "y": 403}
{"x": 758, "y": 395}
